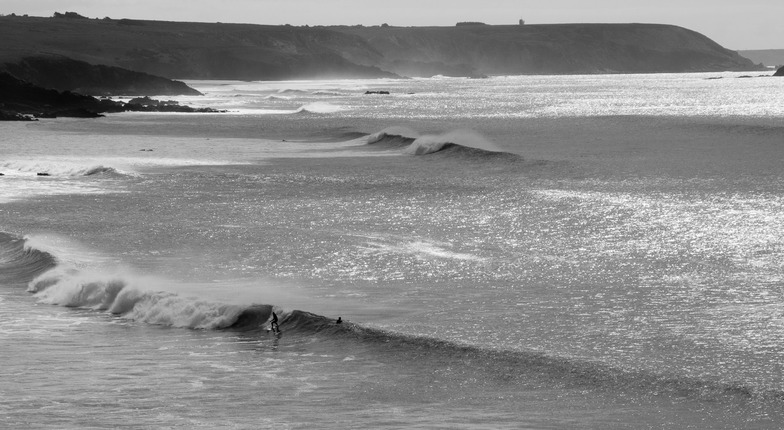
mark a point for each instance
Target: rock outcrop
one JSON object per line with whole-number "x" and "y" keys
{"x": 20, "y": 100}
{"x": 65, "y": 74}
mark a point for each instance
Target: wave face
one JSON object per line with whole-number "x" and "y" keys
{"x": 522, "y": 366}
{"x": 19, "y": 263}
{"x": 461, "y": 143}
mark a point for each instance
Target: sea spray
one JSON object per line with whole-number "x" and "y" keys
{"x": 319, "y": 107}
{"x": 429, "y": 144}
{"x": 132, "y": 297}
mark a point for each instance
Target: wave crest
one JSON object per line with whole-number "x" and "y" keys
{"x": 70, "y": 168}
{"x": 131, "y": 297}
{"x": 319, "y": 107}
{"x": 459, "y": 142}
{"x": 20, "y": 262}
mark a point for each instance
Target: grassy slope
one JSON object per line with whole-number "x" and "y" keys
{"x": 241, "y": 51}
{"x": 564, "y": 48}
{"x": 186, "y": 50}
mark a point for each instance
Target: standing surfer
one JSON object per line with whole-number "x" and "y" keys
{"x": 274, "y": 324}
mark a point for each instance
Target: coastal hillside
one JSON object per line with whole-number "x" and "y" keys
{"x": 180, "y": 50}
{"x": 768, "y": 57}
{"x": 547, "y": 49}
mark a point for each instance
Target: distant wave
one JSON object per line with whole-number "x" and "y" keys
{"x": 56, "y": 168}
{"x": 319, "y": 107}
{"x": 326, "y": 93}
{"x": 384, "y": 139}
{"x": 291, "y": 91}
{"x": 101, "y": 170}
{"x": 463, "y": 143}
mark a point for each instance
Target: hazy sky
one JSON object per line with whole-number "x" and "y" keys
{"x": 735, "y": 24}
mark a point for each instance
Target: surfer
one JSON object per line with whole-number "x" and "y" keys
{"x": 274, "y": 324}
{"x": 339, "y": 321}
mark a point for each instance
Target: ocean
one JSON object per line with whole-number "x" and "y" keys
{"x": 541, "y": 252}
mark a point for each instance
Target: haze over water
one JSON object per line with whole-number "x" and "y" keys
{"x": 512, "y": 252}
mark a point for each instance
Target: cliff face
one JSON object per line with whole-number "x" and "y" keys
{"x": 256, "y": 52}
{"x": 547, "y": 49}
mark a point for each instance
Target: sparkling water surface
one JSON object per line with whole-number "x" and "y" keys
{"x": 634, "y": 236}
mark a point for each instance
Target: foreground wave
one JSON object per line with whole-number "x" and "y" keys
{"x": 130, "y": 297}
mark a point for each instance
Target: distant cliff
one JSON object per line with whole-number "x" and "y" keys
{"x": 768, "y": 57}
{"x": 255, "y": 52}
{"x": 547, "y": 49}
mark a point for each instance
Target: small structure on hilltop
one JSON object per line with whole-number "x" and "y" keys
{"x": 522, "y": 21}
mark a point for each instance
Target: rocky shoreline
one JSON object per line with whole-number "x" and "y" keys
{"x": 24, "y": 101}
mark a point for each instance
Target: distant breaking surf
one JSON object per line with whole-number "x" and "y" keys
{"x": 459, "y": 142}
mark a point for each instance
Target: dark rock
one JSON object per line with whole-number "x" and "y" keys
{"x": 78, "y": 112}
{"x": 65, "y": 74}
{"x": 146, "y": 101}
{"x": 14, "y": 116}
{"x": 23, "y": 98}
{"x": 146, "y": 104}
{"x": 20, "y": 99}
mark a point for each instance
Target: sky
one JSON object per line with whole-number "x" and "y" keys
{"x": 735, "y": 24}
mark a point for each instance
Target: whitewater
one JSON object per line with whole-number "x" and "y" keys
{"x": 597, "y": 251}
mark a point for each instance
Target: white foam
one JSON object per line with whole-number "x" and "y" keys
{"x": 432, "y": 143}
{"x": 421, "y": 248}
{"x": 320, "y": 107}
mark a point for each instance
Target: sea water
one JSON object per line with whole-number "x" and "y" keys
{"x": 512, "y": 252}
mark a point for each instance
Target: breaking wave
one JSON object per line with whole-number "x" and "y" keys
{"x": 144, "y": 299}
{"x": 70, "y": 168}
{"x": 319, "y": 107}
{"x": 19, "y": 262}
{"x": 464, "y": 143}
